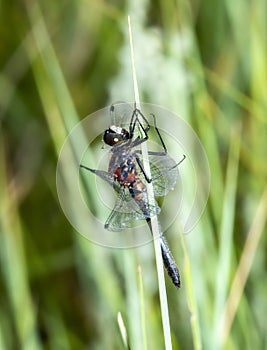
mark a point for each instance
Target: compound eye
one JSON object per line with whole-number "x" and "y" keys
{"x": 115, "y": 135}
{"x": 110, "y": 137}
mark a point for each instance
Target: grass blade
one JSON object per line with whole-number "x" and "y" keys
{"x": 142, "y": 307}
{"x": 123, "y": 331}
{"x": 244, "y": 266}
{"x": 154, "y": 220}
{"x": 192, "y": 304}
{"x": 223, "y": 269}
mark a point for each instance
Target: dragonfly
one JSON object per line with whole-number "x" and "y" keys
{"x": 126, "y": 174}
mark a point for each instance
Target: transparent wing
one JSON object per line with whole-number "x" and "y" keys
{"x": 121, "y": 113}
{"x": 164, "y": 173}
{"x": 106, "y": 176}
{"x": 126, "y": 211}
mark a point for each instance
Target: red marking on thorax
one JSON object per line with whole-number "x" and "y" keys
{"x": 130, "y": 178}
{"x": 118, "y": 174}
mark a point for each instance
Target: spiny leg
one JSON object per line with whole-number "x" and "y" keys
{"x": 149, "y": 180}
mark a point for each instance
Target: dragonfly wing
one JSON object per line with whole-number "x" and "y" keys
{"x": 126, "y": 211}
{"x": 164, "y": 173}
{"x": 120, "y": 113}
{"x": 106, "y": 176}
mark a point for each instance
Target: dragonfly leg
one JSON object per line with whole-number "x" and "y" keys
{"x": 142, "y": 169}
{"x": 134, "y": 120}
{"x": 159, "y": 135}
{"x": 149, "y": 180}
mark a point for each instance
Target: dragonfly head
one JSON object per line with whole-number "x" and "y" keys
{"x": 115, "y": 135}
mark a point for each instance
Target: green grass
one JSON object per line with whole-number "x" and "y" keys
{"x": 61, "y": 61}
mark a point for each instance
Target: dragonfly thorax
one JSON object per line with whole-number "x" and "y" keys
{"x": 115, "y": 135}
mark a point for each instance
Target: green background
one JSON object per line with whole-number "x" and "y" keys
{"x": 62, "y": 60}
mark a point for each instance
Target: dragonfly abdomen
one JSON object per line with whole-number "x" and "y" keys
{"x": 169, "y": 263}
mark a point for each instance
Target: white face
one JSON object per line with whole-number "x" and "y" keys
{"x": 116, "y": 129}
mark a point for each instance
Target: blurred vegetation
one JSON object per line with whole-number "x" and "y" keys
{"x": 61, "y": 61}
